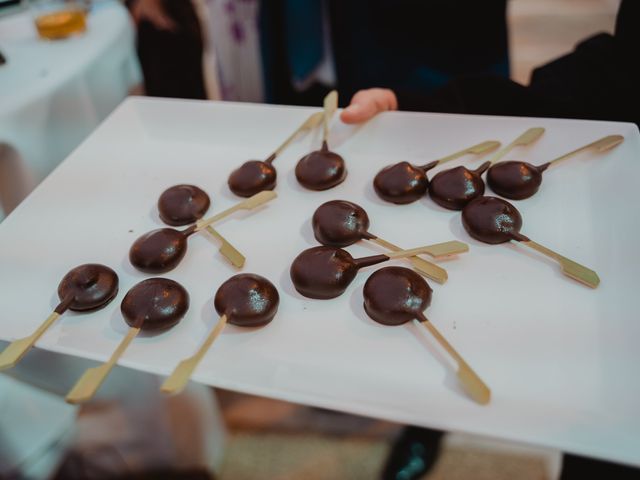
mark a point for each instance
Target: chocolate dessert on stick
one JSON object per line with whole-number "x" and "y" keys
{"x": 397, "y": 295}
{"x": 185, "y": 204}
{"x": 161, "y": 250}
{"x": 153, "y": 305}
{"x": 456, "y": 187}
{"x": 518, "y": 180}
{"x": 85, "y": 288}
{"x": 322, "y": 169}
{"x": 326, "y": 272}
{"x": 256, "y": 175}
{"x": 245, "y": 300}
{"x": 493, "y": 220}
{"x": 339, "y": 223}
{"x": 405, "y": 183}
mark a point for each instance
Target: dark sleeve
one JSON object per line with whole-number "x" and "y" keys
{"x": 598, "y": 80}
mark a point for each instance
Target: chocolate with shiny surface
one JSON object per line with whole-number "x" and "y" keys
{"x": 403, "y": 182}
{"x": 339, "y": 223}
{"x": 160, "y": 250}
{"x": 396, "y": 295}
{"x": 155, "y": 304}
{"x": 183, "y": 205}
{"x": 321, "y": 169}
{"x": 326, "y": 272}
{"x": 252, "y": 177}
{"x": 515, "y": 180}
{"x": 248, "y": 300}
{"x": 455, "y": 187}
{"x": 87, "y": 287}
{"x": 492, "y": 220}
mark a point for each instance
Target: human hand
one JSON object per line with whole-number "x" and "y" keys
{"x": 153, "y": 12}
{"x": 365, "y": 104}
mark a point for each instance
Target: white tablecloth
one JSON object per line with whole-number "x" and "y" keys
{"x": 53, "y": 94}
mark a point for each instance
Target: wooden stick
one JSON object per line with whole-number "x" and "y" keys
{"x": 483, "y": 147}
{"x": 309, "y": 124}
{"x": 602, "y": 145}
{"x": 472, "y": 383}
{"x": 248, "y": 204}
{"x": 428, "y": 269}
{"x": 570, "y": 268}
{"x": 18, "y": 348}
{"x": 460, "y": 247}
{"x": 86, "y": 387}
{"x": 228, "y": 250}
{"x": 330, "y": 107}
{"x": 179, "y": 378}
{"x": 523, "y": 140}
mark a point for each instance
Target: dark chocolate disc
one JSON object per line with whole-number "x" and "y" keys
{"x": 158, "y": 251}
{"x": 492, "y": 220}
{"x": 248, "y": 300}
{"x": 456, "y": 187}
{"x": 515, "y": 180}
{"x": 252, "y": 177}
{"x": 155, "y": 304}
{"x": 401, "y": 183}
{"x": 87, "y": 287}
{"x": 326, "y": 272}
{"x": 396, "y": 295}
{"x": 321, "y": 170}
{"x": 339, "y": 223}
{"x": 183, "y": 205}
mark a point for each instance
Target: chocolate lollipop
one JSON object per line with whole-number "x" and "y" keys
{"x": 326, "y": 272}
{"x": 456, "y": 187}
{"x": 256, "y": 175}
{"x": 395, "y": 296}
{"x": 185, "y": 204}
{"x": 245, "y": 300}
{"x": 493, "y": 220}
{"x": 85, "y": 288}
{"x": 322, "y": 169}
{"x": 340, "y": 223}
{"x": 153, "y": 305}
{"x": 404, "y": 183}
{"x": 162, "y": 250}
{"x": 519, "y": 180}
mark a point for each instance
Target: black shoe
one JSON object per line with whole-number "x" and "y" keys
{"x": 413, "y": 454}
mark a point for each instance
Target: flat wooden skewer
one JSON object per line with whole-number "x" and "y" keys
{"x": 477, "y": 149}
{"x": 601, "y": 145}
{"x": 18, "y": 348}
{"x": 439, "y": 250}
{"x": 412, "y": 252}
{"x": 226, "y": 249}
{"x": 310, "y": 123}
{"x": 570, "y": 268}
{"x": 248, "y": 204}
{"x": 88, "y": 384}
{"x": 330, "y": 107}
{"x": 523, "y": 140}
{"x": 472, "y": 383}
{"x": 179, "y": 378}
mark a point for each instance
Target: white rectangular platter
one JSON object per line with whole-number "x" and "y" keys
{"x": 561, "y": 359}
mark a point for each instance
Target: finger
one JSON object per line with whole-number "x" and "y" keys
{"x": 365, "y": 104}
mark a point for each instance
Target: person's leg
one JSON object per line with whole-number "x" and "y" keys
{"x": 575, "y": 467}
{"x": 171, "y": 60}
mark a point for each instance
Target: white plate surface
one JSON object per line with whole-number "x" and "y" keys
{"x": 560, "y": 358}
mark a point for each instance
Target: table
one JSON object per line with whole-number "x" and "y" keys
{"x": 53, "y": 94}
{"x": 560, "y": 357}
